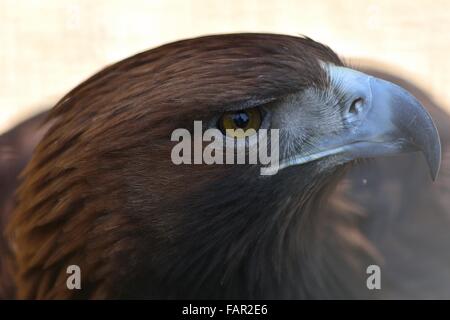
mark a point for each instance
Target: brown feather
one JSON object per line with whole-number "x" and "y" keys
{"x": 100, "y": 191}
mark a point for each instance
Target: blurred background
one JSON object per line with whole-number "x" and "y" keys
{"x": 47, "y": 47}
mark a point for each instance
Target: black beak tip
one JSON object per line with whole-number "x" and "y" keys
{"x": 431, "y": 147}
{"x": 434, "y": 159}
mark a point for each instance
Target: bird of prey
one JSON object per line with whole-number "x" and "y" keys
{"x": 100, "y": 190}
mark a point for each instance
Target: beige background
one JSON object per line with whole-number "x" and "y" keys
{"x": 48, "y": 46}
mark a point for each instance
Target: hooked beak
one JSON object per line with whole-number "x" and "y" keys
{"x": 381, "y": 119}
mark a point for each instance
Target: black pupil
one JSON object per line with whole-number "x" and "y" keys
{"x": 241, "y": 119}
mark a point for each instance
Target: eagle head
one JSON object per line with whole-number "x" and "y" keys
{"x": 102, "y": 193}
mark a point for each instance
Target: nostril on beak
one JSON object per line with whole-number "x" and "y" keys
{"x": 356, "y": 106}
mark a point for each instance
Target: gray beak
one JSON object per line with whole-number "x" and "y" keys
{"x": 379, "y": 119}
{"x": 401, "y": 123}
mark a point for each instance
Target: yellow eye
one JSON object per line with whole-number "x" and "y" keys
{"x": 231, "y": 122}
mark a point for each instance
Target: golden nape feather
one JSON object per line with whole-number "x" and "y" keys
{"x": 92, "y": 184}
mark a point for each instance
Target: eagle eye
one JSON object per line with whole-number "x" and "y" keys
{"x": 230, "y": 122}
